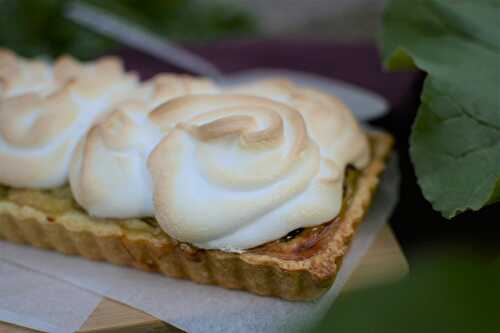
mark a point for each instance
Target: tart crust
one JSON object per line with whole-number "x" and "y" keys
{"x": 302, "y": 272}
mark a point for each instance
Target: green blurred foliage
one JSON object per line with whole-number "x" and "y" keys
{"x": 447, "y": 295}
{"x": 38, "y": 27}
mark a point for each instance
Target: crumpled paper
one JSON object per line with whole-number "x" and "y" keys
{"x": 201, "y": 308}
{"x": 37, "y": 301}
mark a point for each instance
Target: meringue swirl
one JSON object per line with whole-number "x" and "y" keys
{"x": 237, "y": 171}
{"x": 221, "y": 169}
{"x": 45, "y": 110}
{"x": 329, "y": 121}
{"x": 108, "y": 175}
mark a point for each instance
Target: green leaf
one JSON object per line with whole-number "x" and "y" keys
{"x": 400, "y": 60}
{"x": 455, "y": 142}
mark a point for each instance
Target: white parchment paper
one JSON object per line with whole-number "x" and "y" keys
{"x": 37, "y": 301}
{"x": 200, "y": 308}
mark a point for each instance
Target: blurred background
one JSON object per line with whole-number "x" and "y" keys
{"x": 40, "y": 26}
{"x": 334, "y": 38}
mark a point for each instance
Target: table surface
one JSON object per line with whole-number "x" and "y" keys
{"x": 383, "y": 263}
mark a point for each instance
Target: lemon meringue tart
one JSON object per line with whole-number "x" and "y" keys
{"x": 257, "y": 187}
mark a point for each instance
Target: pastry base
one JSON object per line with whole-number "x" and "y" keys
{"x": 141, "y": 245}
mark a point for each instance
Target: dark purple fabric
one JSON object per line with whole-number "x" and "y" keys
{"x": 358, "y": 64}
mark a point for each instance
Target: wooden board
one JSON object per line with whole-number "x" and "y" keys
{"x": 383, "y": 263}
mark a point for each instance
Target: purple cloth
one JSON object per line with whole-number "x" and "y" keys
{"x": 358, "y": 64}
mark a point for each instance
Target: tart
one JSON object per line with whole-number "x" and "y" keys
{"x": 258, "y": 187}
{"x": 299, "y": 266}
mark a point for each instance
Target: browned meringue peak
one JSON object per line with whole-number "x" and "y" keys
{"x": 40, "y": 125}
{"x": 237, "y": 171}
{"x": 108, "y": 174}
{"x": 166, "y": 86}
{"x": 329, "y": 121}
{"x": 104, "y": 77}
{"x": 19, "y": 75}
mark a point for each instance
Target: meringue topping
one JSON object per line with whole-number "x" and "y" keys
{"x": 19, "y": 76}
{"x": 108, "y": 175}
{"x": 330, "y": 123}
{"x": 45, "y": 110}
{"x": 237, "y": 171}
{"x": 226, "y": 170}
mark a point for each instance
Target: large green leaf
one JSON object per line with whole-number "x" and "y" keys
{"x": 455, "y": 142}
